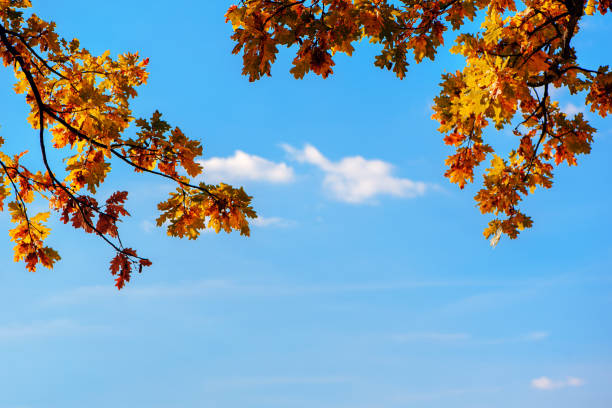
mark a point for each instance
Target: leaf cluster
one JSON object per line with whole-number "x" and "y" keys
{"x": 520, "y": 54}
{"x": 80, "y": 104}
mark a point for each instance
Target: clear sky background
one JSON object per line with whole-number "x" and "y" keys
{"x": 348, "y": 294}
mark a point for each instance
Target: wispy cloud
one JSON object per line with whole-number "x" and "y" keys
{"x": 546, "y": 384}
{"x": 225, "y": 287}
{"x": 444, "y": 337}
{"x": 490, "y": 299}
{"x": 87, "y": 294}
{"x": 535, "y": 336}
{"x": 44, "y": 329}
{"x": 215, "y": 287}
{"x": 147, "y": 226}
{"x": 431, "y": 337}
{"x": 80, "y": 295}
{"x": 411, "y": 397}
{"x": 272, "y": 222}
{"x": 355, "y": 179}
{"x": 570, "y": 109}
{"x": 257, "y": 381}
{"x": 243, "y": 166}
{"x": 532, "y": 337}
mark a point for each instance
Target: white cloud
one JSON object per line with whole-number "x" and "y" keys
{"x": 271, "y": 222}
{"x": 355, "y": 179}
{"x": 545, "y": 383}
{"x": 575, "y": 382}
{"x": 147, "y": 226}
{"x": 570, "y": 109}
{"x": 243, "y": 166}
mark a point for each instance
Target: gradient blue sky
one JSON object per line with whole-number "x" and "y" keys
{"x": 345, "y": 296}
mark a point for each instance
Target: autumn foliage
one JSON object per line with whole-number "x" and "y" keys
{"x": 522, "y": 51}
{"x": 80, "y": 104}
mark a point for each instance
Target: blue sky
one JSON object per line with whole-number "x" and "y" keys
{"x": 347, "y": 294}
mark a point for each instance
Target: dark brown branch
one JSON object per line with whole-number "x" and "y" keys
{"x": 42, "y": 60}
{"x": 543, "y": 133}
{"x": 20, "y": 201}
{"x": 280, "y": 10}
{"x": 41, "y": 113}
{"x": 121, "y": 156}
{"x": 53, "y": 114}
